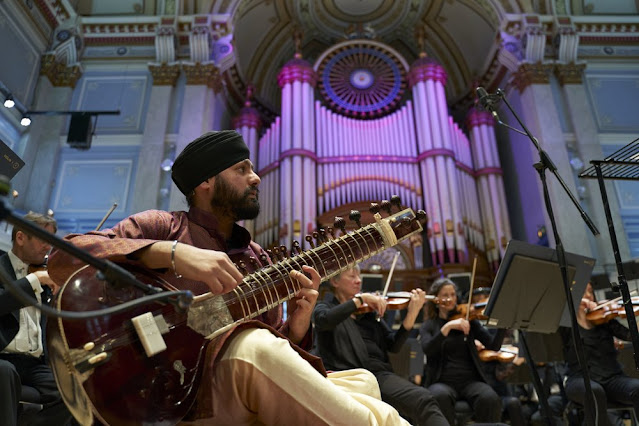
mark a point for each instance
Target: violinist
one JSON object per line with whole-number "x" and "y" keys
{"x": 346, "y": 340}
{"x": 258, "y": 372}
{"x": 22, "y": 349}
{"x": 608, "y": 381}
{"x": 453, "y": 369}
{"x": 498, "y": 366}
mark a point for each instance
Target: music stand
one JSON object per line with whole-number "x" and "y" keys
{"x": 528, "y": 295}
{"x": 623, "y": 164}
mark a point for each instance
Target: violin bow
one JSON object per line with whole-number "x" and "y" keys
{"x": 472, "y": 284}
{"x": 390, "y": 274}
{"x": 604, "y": 304}
{"x": 388, "y": 280}
{"x": 106, "y": 216}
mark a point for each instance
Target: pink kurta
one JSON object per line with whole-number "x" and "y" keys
{"x": 197, "y": 228}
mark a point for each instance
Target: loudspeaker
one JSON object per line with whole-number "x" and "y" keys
{"x": 80, "y": 130}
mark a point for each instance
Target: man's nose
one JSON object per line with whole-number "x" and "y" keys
{"x": 254, "y": 179}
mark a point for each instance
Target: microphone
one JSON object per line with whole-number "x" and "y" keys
{"x": 487, "y": 101}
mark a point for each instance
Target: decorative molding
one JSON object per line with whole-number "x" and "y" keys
{"x": 59, "y": 74}
{"x": 527, "y": 74}
{"x": 204, "y": 74}
{"x": 164, "y": 74}
{"x": 570, "y": 73}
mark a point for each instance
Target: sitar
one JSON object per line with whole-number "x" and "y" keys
{"x": 144, "y": 367}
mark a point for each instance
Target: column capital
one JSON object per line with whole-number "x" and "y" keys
{"x": 58, "y": 73}
{"x": 570, "y": 73}
{"x": 164, "y": 74}
{"x": 297, "y": 69}
{"x": 425, "y": 68}
{"x": 204, "y": 74}
{"x": 527, "y": 74}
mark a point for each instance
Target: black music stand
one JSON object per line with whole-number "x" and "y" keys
{"x": 528, "y": 296}
{"x": 621, "y": 165}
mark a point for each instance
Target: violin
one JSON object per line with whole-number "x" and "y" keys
{"x": 503, "y": 355}
{"x": 396, "y": 300}
{"x": 608, "y": 310}
{"x": 462, "y": 311}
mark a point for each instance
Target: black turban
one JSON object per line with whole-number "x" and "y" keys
{"x": 207, "y": 156}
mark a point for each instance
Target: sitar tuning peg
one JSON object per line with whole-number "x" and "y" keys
{"x": 316, "y": 235}
{"x": 276, "y": 251}
{"x": 263, "y": 258}
{"x": 397, "y": 202}
{"x": 241, "y": 266}
{"x": 284, "y": 252}
{"x": 386, "y": 206}
{"x": 355, "y": 216}
{"x": 422, "y": 217}
{"x": 296, "y": 249}
{"x": 322, "y": 233}
{"x": 309, "y": 240}
{"x": 331, "y": 232}
{"x": 272, "y": 255}
{"x": 254, "y": 262}
{"x": 340, "y": 224}
{"x": 374, "y": 208}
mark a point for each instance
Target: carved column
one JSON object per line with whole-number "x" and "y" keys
{"x": 248, "y": 124}
{"x": 427, "y": 79}
{"x": 202, "y": 101}
{"x": 570, "y": 74}
{"x": 298, "y": 196}
{"x": 149, "y": 176}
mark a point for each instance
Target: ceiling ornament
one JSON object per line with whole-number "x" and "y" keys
{"x": 361, "y": 78}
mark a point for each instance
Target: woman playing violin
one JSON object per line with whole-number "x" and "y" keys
{"x": 453, "y": 369}
{"x": 346, "y": 340}
{"x": 608, "y": 382}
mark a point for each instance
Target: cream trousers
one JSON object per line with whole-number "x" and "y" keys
{"x": 261, "y": 380}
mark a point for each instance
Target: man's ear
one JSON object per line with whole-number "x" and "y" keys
{"x": 207, "y": 184}
{"x": 20, "y": 237}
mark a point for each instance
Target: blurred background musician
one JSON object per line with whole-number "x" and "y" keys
{"x": 346, "y": 340}
{"x": 609, "y": 382}
{"x": 23, "y": 352}
{"x": 453, "y": 368}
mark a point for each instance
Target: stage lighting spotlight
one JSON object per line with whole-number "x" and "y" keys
{"x": 9, "y": 102}
{"x": 26, "y": 121}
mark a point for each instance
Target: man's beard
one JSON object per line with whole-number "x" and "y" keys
{"x": 239, "y": 205}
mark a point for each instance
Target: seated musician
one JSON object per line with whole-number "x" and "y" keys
{"x": 453, "y": 369}
{"x": 347, "y": 340}
{"x": 497, "y": 367}
{"x": 22, "y": 349}
{"x": 608, "y": 381}
{"x": 258, "y": 372}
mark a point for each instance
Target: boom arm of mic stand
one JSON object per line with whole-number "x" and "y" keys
{"x": 545, "y": 159}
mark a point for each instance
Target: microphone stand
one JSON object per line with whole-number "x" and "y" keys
{"x": 108, "y": 270}
{"x": 545, "y": 163}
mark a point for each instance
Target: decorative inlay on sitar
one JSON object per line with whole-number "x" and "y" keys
{"x": 144, "y": 366}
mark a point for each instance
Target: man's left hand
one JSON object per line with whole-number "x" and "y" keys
{"x": 304, "y": 302}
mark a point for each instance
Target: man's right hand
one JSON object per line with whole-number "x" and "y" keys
{"x": 214, "y": 268}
